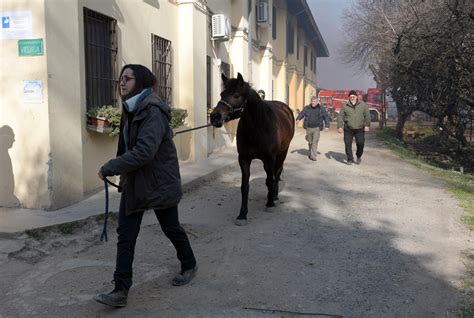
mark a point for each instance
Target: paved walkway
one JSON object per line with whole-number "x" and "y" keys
{"x": 192, "y": 174}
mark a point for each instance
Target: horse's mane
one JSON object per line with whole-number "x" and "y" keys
{"x": 258, "y": 111}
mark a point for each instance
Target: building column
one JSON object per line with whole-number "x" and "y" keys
{"x": 65, "y": 175}
{"x": 191, "y": 70}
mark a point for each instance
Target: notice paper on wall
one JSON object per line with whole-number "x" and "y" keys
{"x": 16, "y": 25}
{"x": 33, "y": 91}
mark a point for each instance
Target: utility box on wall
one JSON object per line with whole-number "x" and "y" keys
{"x": 220, "y": 27}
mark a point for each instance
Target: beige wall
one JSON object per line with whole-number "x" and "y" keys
{"x": 28, "y": 162}
{"x": 54, "y": 159}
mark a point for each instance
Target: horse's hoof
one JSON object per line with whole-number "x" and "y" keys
{"x": 270, "y": 204}
{"x": 240, "y": 222}
{"x": 270, "y": 209}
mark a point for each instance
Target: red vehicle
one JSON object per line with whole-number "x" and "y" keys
{"x": 333, "y": 101}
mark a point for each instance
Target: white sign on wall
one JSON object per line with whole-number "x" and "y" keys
{"x": 16, "y": 25}
{"x": 33, "y": 91}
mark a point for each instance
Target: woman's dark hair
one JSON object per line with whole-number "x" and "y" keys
{"x": 144, "y": 78}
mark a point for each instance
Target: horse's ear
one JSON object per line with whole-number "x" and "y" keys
{"x": 240, "y": 78}
{"x": 224, "y": 78}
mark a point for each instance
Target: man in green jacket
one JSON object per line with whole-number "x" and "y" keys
{"x": 354, "y": 119}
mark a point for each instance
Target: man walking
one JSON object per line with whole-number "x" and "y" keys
{"x": 315, "y": 119}
{"x": 354, "y": 119}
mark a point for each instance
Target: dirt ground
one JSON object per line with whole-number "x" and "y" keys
{"x": 377, "y": 240}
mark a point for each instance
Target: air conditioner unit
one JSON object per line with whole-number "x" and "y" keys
{"x": 262, "y": 12}
{"x": 220, "y": 27}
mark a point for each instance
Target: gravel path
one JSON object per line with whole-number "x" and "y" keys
{"x": 382, "y": 239}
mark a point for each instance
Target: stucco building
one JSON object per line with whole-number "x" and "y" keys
{"x": 61, "y": 57}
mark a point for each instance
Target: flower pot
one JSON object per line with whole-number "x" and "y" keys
{"x": 98, "y": 124}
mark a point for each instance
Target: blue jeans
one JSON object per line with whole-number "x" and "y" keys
{"x": 128, "y": 229}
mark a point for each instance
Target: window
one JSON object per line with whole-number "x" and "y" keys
{"x": 290, "y": 39}
{"x": 305, "y": 53}
{"x": 225, "y": 69}
{"x": 311, "y": 61}
{"x": 274, "y": 23}
{"x": 161, "y": 56}
{"x": 297, "y": 47}
{"x": 208, "y": 82}
{"x": 101, "y": 59}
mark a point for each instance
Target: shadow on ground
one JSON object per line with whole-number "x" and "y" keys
{"x": 338, "y": 156}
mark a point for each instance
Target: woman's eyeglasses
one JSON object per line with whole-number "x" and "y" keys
{"x": 125, "y": 79}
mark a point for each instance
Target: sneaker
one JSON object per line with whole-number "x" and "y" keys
{"x": 312, "y": 158}
{"x": 349, "y": 162}
{"x": 358, "y": 161}
{"x": 184, "y": 277}
{"x": 117, "y": 298}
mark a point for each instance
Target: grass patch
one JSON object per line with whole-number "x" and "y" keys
{"x": 460, "y": 185}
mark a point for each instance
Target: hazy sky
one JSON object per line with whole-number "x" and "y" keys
{"x": 332, "y": 73}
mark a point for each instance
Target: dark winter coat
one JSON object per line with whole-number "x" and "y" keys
{"x": 324, "y": 121}
{"x": 149, "y": 169}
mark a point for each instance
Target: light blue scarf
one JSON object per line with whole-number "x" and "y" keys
{"x": 130, "y": 105}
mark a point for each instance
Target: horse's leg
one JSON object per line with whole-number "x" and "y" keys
{"x": 269, "y": 166}
{"x": 244, "y": 189}
{"x": 278, "y": 170}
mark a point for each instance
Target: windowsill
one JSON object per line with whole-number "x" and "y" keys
{"x": 102, "y": 130}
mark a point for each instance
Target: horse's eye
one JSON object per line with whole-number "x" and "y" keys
{"x": 236, "y": 96}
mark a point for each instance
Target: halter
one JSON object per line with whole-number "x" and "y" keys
{"x": 233, "y": 109}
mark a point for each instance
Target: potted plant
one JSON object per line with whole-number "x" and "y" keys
{"x": 104, "y": 119}
{"x": 178, "y": 117}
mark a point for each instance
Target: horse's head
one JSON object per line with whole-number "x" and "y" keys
{"x": 233, "y": 100}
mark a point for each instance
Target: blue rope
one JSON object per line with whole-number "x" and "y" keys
{"x": 106, "y": 214}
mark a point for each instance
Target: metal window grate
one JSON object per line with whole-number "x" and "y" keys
{"x": 225, "y": 69}
{"x": 274, "y": 23}
{"x": 162, "y": 57}
{"x": 209, "y": 82}
{"x": 290, "y": 39}
{"x": 101, "y": 59}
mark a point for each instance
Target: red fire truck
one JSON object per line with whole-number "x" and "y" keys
{"x": 333, "y": 100}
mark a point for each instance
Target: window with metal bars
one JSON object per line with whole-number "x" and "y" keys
{"x": 274, "y": 23}
{"x": 225, "y": 69}
{"x": 162, "y": 66}
{"x": 290, "y": 39}
{"x": 101, "y": 59}
{"x": 209, "y": 82}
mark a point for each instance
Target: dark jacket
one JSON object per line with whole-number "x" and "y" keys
{"x": 324, "y": 120}
{"x": 354, "y": 117}
{"x": 150, "y": 168}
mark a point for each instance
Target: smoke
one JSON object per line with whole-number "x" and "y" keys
{"x": 332, "y": 72}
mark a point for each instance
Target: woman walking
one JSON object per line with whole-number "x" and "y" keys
{"x": 149, "y": 176}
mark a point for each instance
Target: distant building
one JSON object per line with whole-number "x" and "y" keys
{"x": 61, "y": 58}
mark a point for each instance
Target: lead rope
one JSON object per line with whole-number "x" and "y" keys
{"x": 186, "y": 130}
{"x": 106, "y": 213}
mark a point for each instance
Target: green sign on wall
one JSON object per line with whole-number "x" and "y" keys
{"x": 32, "y": 47}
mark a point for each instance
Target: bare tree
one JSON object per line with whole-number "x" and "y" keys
{"x": 421, "y": 52}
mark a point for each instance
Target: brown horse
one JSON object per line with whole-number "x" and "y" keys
{"x": 264, "y": 132}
